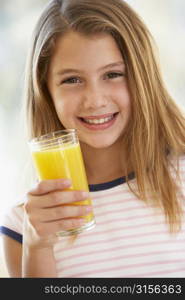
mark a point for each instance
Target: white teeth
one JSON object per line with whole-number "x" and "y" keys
{"x": 98, "y": 121}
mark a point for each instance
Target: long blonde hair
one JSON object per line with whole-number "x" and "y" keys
{"x": 157, "y": 129}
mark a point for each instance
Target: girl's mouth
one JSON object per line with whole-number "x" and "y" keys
{"x": 99, "y": 122}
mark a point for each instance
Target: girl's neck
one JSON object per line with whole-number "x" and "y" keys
{"x": 102, "y": 165}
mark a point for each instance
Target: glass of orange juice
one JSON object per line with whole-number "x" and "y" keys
{"x": 58, "y": 155}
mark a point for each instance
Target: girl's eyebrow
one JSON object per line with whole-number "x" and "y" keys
{"x": 71, "y": 70}
{"x": 116, "y": 64}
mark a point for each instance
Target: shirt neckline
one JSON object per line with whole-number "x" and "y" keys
{"x": 110, "y": 184}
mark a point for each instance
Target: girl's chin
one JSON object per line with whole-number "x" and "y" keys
{"x": 97, "y": 143}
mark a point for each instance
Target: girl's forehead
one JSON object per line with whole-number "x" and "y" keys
{"x": 74, "y": 42}
{"x": 77, "y": 49}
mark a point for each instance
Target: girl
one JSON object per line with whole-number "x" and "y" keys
{"x": 92, "y": 67}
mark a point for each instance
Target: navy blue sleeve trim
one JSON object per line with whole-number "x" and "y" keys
{"x": 14, "y": 235}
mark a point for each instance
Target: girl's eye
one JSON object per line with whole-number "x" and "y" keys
{"x": 113, "y": 75}
{"x": 71, "y": 80}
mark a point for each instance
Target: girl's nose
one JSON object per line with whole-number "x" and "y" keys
{"x": 94, "y": 97}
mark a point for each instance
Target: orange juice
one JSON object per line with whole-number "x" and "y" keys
{"x": 63, "y": 162}
{"x": 58, "y": 155}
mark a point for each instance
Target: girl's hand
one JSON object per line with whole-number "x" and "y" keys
{"x": 49, "y": 209}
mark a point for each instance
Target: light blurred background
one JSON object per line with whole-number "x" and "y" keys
{"x": 166, "y": 21}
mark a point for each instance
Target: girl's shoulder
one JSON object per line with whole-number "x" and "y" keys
{"x": 12, "y": 219}
{"x": 181, "y": 167}
{"x": 177, "y": 168}
{"x": 177, "y": 163}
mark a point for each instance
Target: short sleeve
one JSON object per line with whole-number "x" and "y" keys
{"x": 12, "y": 222}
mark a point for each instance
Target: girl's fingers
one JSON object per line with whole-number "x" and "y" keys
{"x": 59, "y": 225}
{"x": 56, "y": 198}
{"x": 50, "y": 207}
{"x": 47, "y": 186}
{"x": 63, "y": 212}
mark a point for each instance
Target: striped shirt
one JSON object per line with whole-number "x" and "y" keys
{"x": 130, "y": 239}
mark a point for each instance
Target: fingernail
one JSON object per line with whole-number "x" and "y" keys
{"x": 89, "y": 208}
{"x": 85, "y": 194}
{"x": 81, "y": 221}
{"x": 67, "y": 182}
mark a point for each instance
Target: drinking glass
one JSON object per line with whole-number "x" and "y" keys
{"x": 58, "y": 155}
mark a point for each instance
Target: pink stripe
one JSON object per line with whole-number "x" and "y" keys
{"x": 135, "y": 218}
{"x": 10, "y": 225}
{"x": 120, "y": 210}
{"x": 130, "y": 236}
{"x": 159, "y": 273}
{"x": 97, "y": 261}
{"x": 18, "y": 216}
{"x": 123, "y": 210}
{"x": 118, "y": 238}
{"x": 121, "y": 192}
{"x": 124, "y": 267}
{"x": 9, "y": 218}
{"x": 115, "y": 229}
{"x": 108, "y": 194}
{"x": 136, "y": 206}
{"x": 19, "y": 220}
{"x": 123, "y": 201}
{"x": 124, "y": 247}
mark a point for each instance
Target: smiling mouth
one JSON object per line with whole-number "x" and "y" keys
{"x": 99, "y": 120}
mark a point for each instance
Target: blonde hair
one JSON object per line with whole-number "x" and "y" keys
{"x": 157, "y": 128}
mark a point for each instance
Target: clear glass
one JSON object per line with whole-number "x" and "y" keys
{"x": 58, "y": 155}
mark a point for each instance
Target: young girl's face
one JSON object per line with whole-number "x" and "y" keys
{"x": 87, "y": 82}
